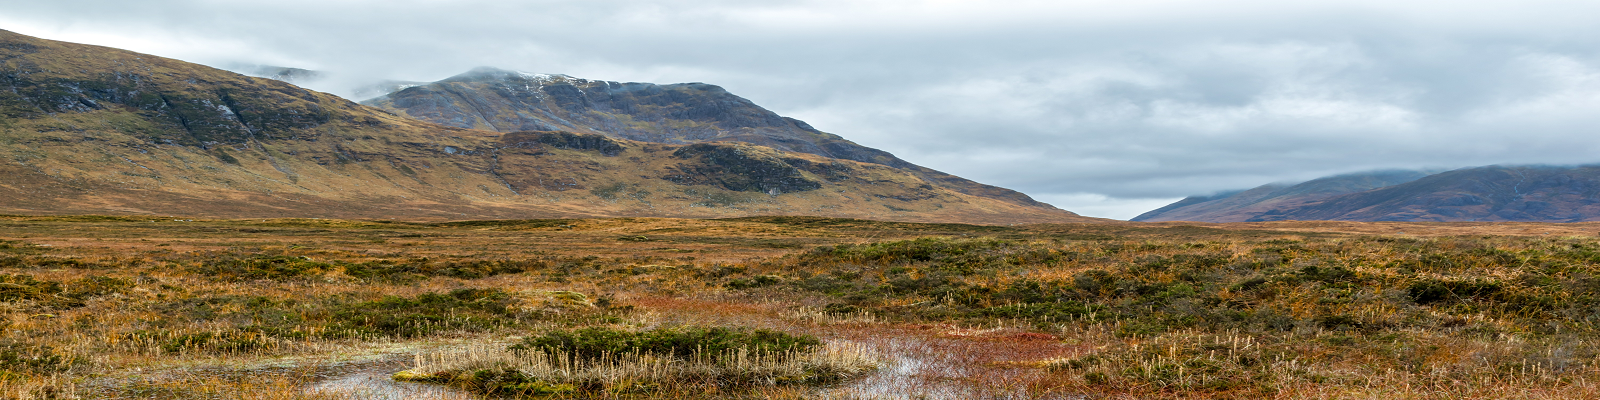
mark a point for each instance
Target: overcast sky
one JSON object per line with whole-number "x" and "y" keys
{"x": 1106, "y": 108}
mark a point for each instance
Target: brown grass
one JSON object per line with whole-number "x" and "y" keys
{"x": 188, "y": 334}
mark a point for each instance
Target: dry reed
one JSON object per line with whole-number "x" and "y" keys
{"x": 739, "y": 366}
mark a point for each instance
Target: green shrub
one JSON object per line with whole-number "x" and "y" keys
{"x": 1430, "y": 291}
{"x": 56, "y": 294}
{"x": 1335, "y": 274}
{"x": 915, "y": 250}
{"x": 26, "y": 287}
{"x": 754, "y": 282}
{"x": 211, "y": 342}
{"x": 1056, "y": 311}
{"x": 22, "y": 358}
{"x": 591, "y": 343}
{"x": 469, "y": 309}
{"x": 508, "y": 382}
{"x": 420, "y": 268}
{"x": 277, "y": 268}
{"x": 683, "y": 362}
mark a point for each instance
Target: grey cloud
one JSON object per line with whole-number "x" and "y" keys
{"x": 1112, "y": 106}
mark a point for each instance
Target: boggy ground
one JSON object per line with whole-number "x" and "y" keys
{"x": 135, "y": 307}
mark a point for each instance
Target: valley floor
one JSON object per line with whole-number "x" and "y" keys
{"x": 143, "y": 307}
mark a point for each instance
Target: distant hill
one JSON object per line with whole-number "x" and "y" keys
{"x": 684, "y": 113}
{"x": 1245, "y": 205}
{"x": 89, "y": 129}
{"x": 1492, "y": 193}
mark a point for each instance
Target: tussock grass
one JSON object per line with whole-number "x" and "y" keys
{"x": 1459, "y": 314}
{"x": 1120, "y": 311}
{"x": 1207, "y": 363}
{"x": 835, "y": 315}
{"x": 596, "y": 362}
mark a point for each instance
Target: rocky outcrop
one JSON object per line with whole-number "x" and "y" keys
{"x": 740, "y": 168}
{"x": 221, "y": 108}
{"x": 563, "y": 140}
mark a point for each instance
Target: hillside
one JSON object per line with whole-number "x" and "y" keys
{"x": 1492, "y": 193}
{"x": 1249, "y": 205}
{"x": 89, "y": 129}
{"x": 508, "y": 101}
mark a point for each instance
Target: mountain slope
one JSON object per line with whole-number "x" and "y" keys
{"x": 1271, "y": 199}
{"x": 508, "y": 101}
{"x": 89, "y": 129}
{"x": 1492, "y": 193}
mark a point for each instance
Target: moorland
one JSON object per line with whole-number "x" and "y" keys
{"x": 794, "y": 307}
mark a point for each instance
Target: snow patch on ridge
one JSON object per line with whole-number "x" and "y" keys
{"x": 544, "y": 77}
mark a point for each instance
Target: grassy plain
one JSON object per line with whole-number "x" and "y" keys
{"x": 139, "y": 307}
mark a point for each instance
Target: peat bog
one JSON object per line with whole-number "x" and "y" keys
{"x": 794, "y": 307}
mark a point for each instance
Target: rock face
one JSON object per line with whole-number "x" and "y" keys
{"x": 563, "y": 140}
{"x": 741, "y": 168}
{"x": 1492, "y": 193}
{"x": 177, "y": 102}
{"x": 88, "y": 129}
{"x": 508, "y": 101}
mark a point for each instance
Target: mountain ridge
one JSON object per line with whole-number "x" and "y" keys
{"x": 1491, "y": 193}
{"x": 92, "y": 129}
{"x": 681, "y": 113}
{"x": 1532, "y": 193}
{"x": 1243, "y": 205}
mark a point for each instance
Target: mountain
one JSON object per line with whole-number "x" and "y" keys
{"x": 1491, "y": 193}
{"x": 1248, "y": 205}
{"x": 508, "y": 101}
{"x": 89, "y": 129}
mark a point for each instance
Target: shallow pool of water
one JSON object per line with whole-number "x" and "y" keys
{"x": 371, "y": 381}
{"x": 917, "y": 368}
